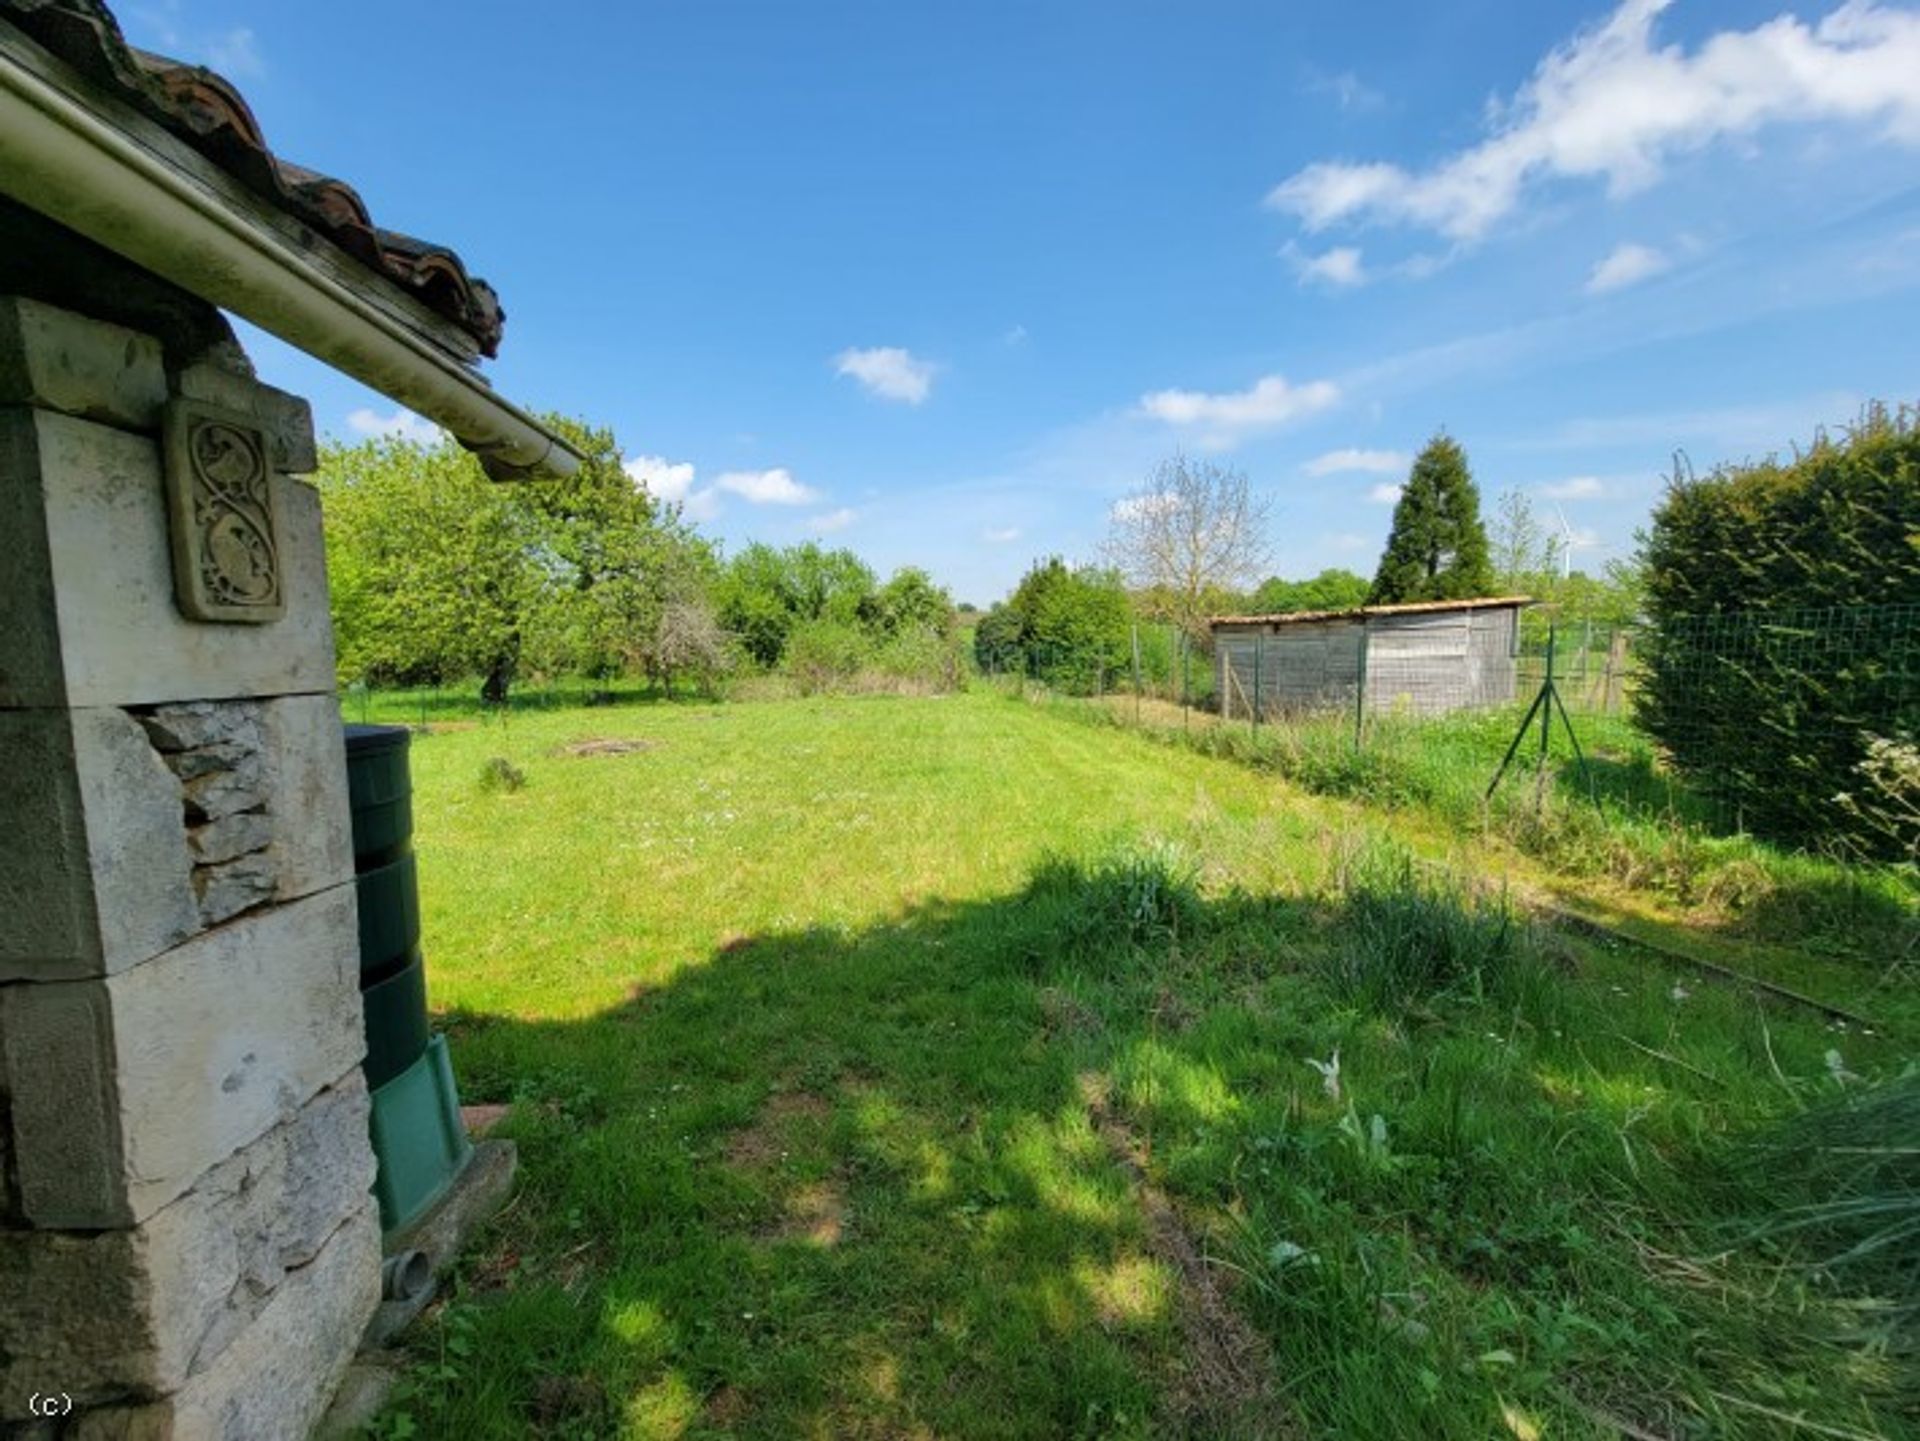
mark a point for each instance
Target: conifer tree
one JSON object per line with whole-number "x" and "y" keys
{"x": 1438, "y": 547}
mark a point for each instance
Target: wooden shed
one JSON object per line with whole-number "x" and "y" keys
{"x": 1424, "y": 658}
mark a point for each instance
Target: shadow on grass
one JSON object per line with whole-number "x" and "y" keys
{"x": 846, "y": 1183}
{"x": 825, "y": 1183}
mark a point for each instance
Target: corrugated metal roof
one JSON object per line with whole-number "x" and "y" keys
{"x": 1295, "y": 617}
{"x": 205, "y": 111}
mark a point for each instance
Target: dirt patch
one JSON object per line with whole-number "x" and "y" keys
{"x": 726, "y": 1408}
{"x": 1064, "y": 1013}
{"x": 733, "y": 942}
{"x": 816, "y": 1213}
{"x": 772, "y": 1134}
{"x": 605, "y": 746}
{"x": 563, "y": 1400}
{"x": 1226, "y": 1385}
{"x": 483, "y": 1118}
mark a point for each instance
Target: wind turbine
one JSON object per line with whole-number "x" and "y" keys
{"x": 1566, "y": 544}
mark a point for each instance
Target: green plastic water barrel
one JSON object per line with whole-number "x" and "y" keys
{"x": 418, "y": 1138}
{"x": 379, "y": 793}
{"x": 392, "y": 980}
{"x": 395, "y": 1011}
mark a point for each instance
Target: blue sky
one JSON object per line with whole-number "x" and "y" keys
{"x": 941, "y": 282}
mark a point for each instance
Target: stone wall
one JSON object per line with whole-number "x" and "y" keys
{"x": 188, "y": 1247}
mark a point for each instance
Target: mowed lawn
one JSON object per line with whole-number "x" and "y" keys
{"x": 867, "y": 1083}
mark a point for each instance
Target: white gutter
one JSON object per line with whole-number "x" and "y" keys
{"x": 139, "y": 192}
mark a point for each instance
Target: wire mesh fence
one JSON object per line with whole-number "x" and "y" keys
{"x": 1802, "y": 722}
{"x": 1795, "y": 725}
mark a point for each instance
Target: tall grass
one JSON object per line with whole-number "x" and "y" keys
{"x": 1847, "y": 1177}
{"x": 1619, "y": 819}
{"x": 1408, "y": 936}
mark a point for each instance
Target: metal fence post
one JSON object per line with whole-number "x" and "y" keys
{"x": 1360, "y": 693}
{"x": 1254, "y": 707}
{"x": 1186, "y": 693}
{"x": 1136, "y": 672}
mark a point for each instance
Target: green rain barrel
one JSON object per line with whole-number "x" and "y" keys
{"x": 418, "y": 1140}
{"x": 380, "y": 797}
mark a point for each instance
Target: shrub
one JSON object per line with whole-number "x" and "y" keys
{"x": 1406, "y": 936}
{"x": 1144, "y": 897}
{"x": 1781, "y": 597}
{"x": 1070, "y": 627}
{"x": 501, "y": 774}
{"x": 823, "y": 655}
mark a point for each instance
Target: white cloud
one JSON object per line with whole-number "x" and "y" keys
{"x": 889, "y": 372}
{"x": 1385, "y": 493}
{"x": 1339, "y": 267}
{"x": 1579, "y": 487}
{"x": 1015, "y": 335}
{"x": 1132, "y": 506}
{"x": 236, "y": 54}
{"x": 1364, "y": 462}
{"x": 1625, "y": 265}
{"x": 1000, "y": 535}
{"x": 1224, "y": 418}
{"x": 1609, "y": 105}
{"x": 664, "y": 480}
{"x": 1352, "y": 93}
{"x": 766, "y": 487}
{"x": 833, "y": 520}
{"x": 701, "y": 505}
{"x": 401, "y": 425}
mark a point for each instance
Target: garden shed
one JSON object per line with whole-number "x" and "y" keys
{"x": 1423, "y": 658}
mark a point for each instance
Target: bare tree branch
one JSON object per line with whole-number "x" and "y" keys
{"x": 1193, "y": 530}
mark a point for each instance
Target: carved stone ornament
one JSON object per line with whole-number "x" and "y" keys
{"x": 221, "y": 512}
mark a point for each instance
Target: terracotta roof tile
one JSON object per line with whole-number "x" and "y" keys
{"x": 205, "y": 110}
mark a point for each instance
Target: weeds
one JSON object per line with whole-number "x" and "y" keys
{"x": 1623, "y": 820}
{"x": 1847, "y": 1174}
{"x": 1144, "y": 897}
{"x": 1407, "y": 936}
{"x": 501, "y": 775}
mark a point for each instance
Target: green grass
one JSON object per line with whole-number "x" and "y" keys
{"x": 1613, "y": 821}
{"x": 798, "y": 1008}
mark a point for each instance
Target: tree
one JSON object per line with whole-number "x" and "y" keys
{"x": 689, "y": 641}
{"x": 1193, "y": 531}
{"x": 1332, "y": 589}
{"x": 428, "y": 562}
{"x": 1070, "y": 627}
{"x": 908, "y": 601}
{"x": 438, "y": 573}
{"x": 1437, "y": 549}
{"x": 1522, "y": 553}
{"x": 1780, "y": 597}
{"x": 765, "y": 593}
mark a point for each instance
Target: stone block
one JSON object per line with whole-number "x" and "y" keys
{"x": 125, "y": 1090}
{"x": 230, "y": 836}
{"x": 57, "y": 360}
{"x": 229, "y": 726}
{"x": 145, "y": 1310}
{"x": 286, "y": 419}
{"x": 93, "y": 850}
{"x": 30, "y": 659}
{"x": 101, "y": 565}
{"x": 307, "y": 793}
{"x": 221, "y": 790}
{"x": 273, "y": 1382}
{"x": 226, "y": 890}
